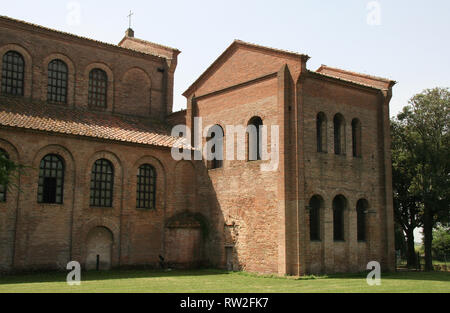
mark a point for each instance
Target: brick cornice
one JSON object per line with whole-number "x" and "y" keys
{"x": 343, "y": 82}
{"x": 241, "y": 85}
{"x": 11, "y": 23}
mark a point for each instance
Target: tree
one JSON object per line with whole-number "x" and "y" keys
{"x": 441, "y": 243}
{"x": 425, "y": 134}
{"x": 9, "y": 170}
{"x": 407, "y": 206}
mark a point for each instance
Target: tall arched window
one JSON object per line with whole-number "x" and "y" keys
{"x": 339, "y": 134}
{"x": 315, "y": 205}
{"x": 356, "y": 138}
{"x": 98, "y": 85}
{"x": 51, "y": 180}
{"x": 339, "y": 206}
{"x": 146, "y": 187}
{"x": 3, "y": 187}
{"x": 254, "y": 139}
{"x": 321, "y": 126}
{"x": 57, "y": 82}
{"x": 361, "y": 212}
{"x": 13, "y": 73}
{"x": 215, "y": 144}
{"x": 102, "y": 183}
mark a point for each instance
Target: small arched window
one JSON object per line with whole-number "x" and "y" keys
{"x": 315, "y": 205}
{"x": 339, "y": 134}
{"x": 356, "y": 138}
{"x": 13, "y": 73}
{"x": 361, "y": 212}
{"x": 254, "y": 139}
{"x": 146, "y": 187}
{"x": 98, "y": 86}
{"x": 321, "y": 126}
{"x": 102, "y": 183}
{"x": 57, "y": 82}
{"x": 51, "y": 180}
{"x": 339, "y": 206}
{"x": 3, "y": 187}
{"x": 215, "y": 142}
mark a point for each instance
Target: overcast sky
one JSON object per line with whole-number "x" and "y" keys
{"x": 405, "y": 40}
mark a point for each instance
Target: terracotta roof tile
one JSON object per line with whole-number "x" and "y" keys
{"x": 16, "y": 112}
{"x": 344, "y": 80}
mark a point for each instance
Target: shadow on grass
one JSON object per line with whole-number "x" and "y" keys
{"x": 60, "y": 277}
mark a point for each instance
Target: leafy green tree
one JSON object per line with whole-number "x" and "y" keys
{"x": 441, "y": 243}
{"x": 8, "y": 171}
{"x": 407, "y": 205}
{"x": 425, "y": 124}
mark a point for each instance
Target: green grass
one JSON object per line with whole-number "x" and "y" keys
{"x": 214, "y": 281}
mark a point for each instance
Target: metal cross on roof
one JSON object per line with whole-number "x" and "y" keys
{"x": 129, "y": 17}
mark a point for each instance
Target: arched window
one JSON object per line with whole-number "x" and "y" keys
{"x": 215, "y": 147}
{"x": 57, "y": 82}
{"x": 146, "y": 187}
{"x": 339, "y": 134}
{"x": 356, "y": 138}
{"x": 51, "y": 180}
{"x": 254, "y": 139}
{"x": 339, "y": 206}
{"x": 315, "y": 205}
{"x": 3, "y": 187}
{"x": 102, "y": 183}
{"x": 98, "y": 85}
{"x": 321, "y": 126}
{"x": 361, "y": 212}
{"x": 13, "y": 73}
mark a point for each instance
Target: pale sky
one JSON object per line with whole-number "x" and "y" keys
{"x": 408, "y": 41}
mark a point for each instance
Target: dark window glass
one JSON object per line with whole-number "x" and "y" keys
{"x": 102, "y": 183}
{"x": 356, "y": 138}
{"x": 314, "y": 218}
{"x": 146, "y": 187}
{"x": 339, "y": 204}
{"x": 338, "y": 135}
{"x": 321, "y": 133}
{"x": 57, "y": 82}
{"x": 216, "y": 148}
{"x": 98, "y": 84}
{"x": 254, "y": 139}
{"x": 3, "y": 188}
{"x": 361, "y": 211}
{"x": 13, "y": 72}
{"x": 51, "y": 180}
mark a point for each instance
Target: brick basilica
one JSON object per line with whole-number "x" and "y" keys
{"x": 92, "y": 124}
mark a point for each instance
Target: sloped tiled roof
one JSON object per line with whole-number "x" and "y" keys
{"x": 356, "y": 78}
{"x": 343, "y": 80}
{"x": 15, "y": 112}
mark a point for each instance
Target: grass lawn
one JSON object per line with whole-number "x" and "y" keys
{"x": 214, "y": 281}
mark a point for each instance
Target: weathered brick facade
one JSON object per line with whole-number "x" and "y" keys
{"x": 236, "y": 216}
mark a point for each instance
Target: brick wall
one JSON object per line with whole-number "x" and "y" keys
{"x": 329, "y": 175}
{"x": 131, "y": 75}
{"x": 48, "y": 236}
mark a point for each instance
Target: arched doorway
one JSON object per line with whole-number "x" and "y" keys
{"x": 184, "y": 240}
{"x": 99, "y": 249}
